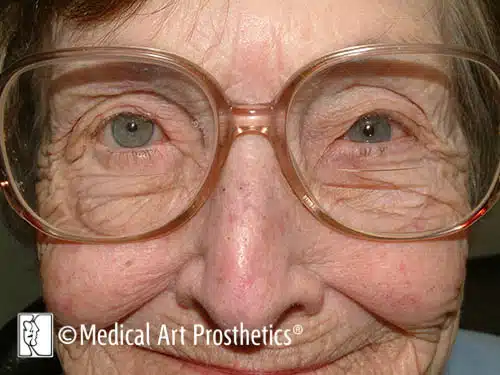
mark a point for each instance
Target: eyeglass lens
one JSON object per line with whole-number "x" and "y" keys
{"x": 386, "y": 145}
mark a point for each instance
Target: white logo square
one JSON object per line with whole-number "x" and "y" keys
{"x": 35, "y": 335}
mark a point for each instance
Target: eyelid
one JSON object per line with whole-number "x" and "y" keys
{"x": 367, "y": 99}
{"x": 363, "y": 93}
{"x": 92, "y": 122}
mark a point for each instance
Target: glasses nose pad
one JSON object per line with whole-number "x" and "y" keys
{"x": 244, "y": 120}
{"x": 265, "y": 120}
{"x": 251, "y": 120}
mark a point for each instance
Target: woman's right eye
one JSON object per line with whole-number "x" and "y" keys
{"x": 129, "y": 130}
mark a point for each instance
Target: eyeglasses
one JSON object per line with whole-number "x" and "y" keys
{"x": 390, "y": 142}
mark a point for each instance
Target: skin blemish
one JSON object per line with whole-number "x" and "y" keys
{"x": 402, "y": 268}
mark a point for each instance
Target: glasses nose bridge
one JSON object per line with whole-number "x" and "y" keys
{"x": 251, "y": 119}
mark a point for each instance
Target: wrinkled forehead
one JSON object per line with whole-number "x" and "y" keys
{"x": 253, "y": 46}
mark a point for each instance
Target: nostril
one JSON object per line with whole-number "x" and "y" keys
{"x": 295, "y": 312}
{"x": 306, "y": 291}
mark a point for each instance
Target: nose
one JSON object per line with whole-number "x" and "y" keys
{"x": 250, "y": 271}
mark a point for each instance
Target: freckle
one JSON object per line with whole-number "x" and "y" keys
{"x": 402, "y": 268}
{"x": 219, "y": 280}
{"x": 128, "y": 263}
{"x": 282, "y": 227}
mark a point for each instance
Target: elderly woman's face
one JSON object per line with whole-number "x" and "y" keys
{"x": 253, "y": 255}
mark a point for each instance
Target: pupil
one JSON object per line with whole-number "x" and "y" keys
{"x": 132, "y": 127}
{"x": 369, "y": 130}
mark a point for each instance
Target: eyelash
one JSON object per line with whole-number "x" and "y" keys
{"x": 144, "y": 158}
{"x": 342, "y": 148}
{"x": 365, "y": 152}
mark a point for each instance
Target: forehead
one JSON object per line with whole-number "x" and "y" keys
{"x": 252, "y": 47}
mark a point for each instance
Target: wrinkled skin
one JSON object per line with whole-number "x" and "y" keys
{"x": 254, "y": 254}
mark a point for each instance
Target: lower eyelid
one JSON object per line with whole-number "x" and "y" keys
{"x": 344, "y": 150}
{"x": 155, "y": 157}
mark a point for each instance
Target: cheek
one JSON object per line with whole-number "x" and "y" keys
{"x": 88, "y": 197}
{"x": 104, "y": 283}
{"x": 408, "y": 285}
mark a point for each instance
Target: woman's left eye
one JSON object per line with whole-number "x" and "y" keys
{"x": 372, "y": 128}
{"x": 130, "y": 130}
